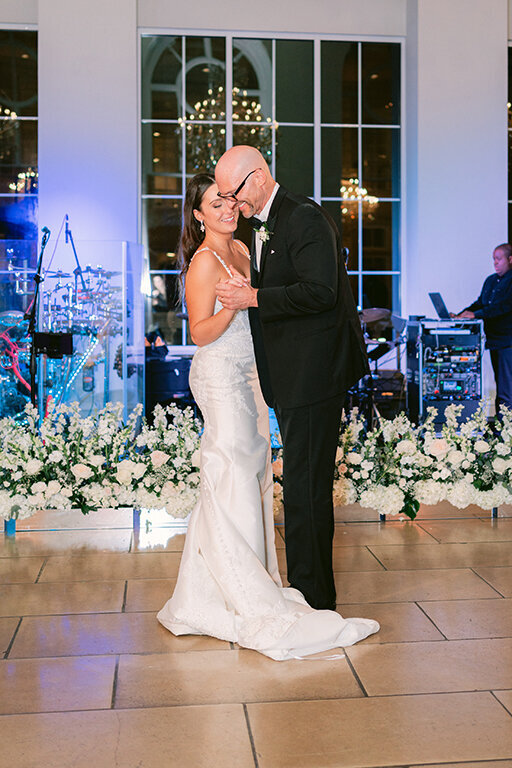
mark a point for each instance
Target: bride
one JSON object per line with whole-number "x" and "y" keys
{"x": 229, "y": 585}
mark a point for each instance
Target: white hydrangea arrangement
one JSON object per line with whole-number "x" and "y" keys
{"x": 98, "y": 462}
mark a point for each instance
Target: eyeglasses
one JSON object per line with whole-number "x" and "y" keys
{"x": 233, "y": 195}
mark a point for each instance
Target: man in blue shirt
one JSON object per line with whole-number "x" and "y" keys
{"x": 494, "y": 307}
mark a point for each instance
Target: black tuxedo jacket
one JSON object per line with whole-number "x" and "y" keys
{"x": 306, "y": 331}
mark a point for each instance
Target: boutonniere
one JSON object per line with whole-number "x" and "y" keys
{"x": 263, "y": 232}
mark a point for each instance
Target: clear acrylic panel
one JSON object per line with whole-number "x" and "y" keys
{"x": 339, "y": 160}
{"x": 380, "y": 83}
{"x": 339, "y": 82}
{"x": 17, "y": 268}
{"x": 381, "y": 161}
{"x": 294, "y": 159}
{"x": 294, "y": 81}
{"x": 102, "y": 308}
{"x": 162, "y": 222}
{"x": 381, "y": 232}
{"x": 18, "y": 72}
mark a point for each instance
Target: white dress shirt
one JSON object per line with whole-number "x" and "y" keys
{"x": 263, "y": 216}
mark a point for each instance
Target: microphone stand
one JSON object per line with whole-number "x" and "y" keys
{"x": 31, "y": 315}
{"x": 78, "y": 271}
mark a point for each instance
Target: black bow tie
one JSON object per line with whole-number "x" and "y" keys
{"x": 254, "y": 221}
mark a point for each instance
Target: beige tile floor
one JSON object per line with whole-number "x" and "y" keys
{"x": 89, "y": 677}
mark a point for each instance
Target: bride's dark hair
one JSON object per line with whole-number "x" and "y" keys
{"x": 191, "y": 235}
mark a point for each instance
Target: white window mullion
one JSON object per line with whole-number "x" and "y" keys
{"x": 317, "y": 115}
{"x": 229, "y": 91}
{"x": 359, "y": 175}
{"x": 274, "y": 126}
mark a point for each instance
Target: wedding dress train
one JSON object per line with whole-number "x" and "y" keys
{"x": 229, "y": 585}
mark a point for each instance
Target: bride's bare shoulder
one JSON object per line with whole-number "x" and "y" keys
{"x": 204, "y": 262}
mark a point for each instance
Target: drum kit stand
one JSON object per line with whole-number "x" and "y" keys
{"x": 59, "y": 326}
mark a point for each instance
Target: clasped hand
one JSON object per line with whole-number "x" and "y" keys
{"x": 236, "y": 293}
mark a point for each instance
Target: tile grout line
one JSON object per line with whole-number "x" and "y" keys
{"x": 358, "y": 679}
{"x": 123, "y": 606}
{"x": 251, "y": 737}
{"x": 472, "y": 569}
{"x": 41, "y": 570}
{"x": 431, "y": 620}
{"x": 420, "y": 526}
{"x": 13, "y": 638}
{"x": 368, "y": 548}
{"x": 500, "y": 702}
{"x": 114, "y": 683}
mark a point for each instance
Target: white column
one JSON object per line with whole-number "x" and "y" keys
{"x": 88, "y": 117}
{"x": 456, "y": 147}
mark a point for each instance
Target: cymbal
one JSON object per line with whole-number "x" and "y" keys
{"x": 58, "y": 273}
{"x": 11, "y": 317}
{"x": 373, "y": 314}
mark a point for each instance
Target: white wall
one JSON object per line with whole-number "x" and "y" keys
{"x": 88, "y": 117}
{"x": 354, "y": 17}
{"x": 456, "y": 147}
{"x": 18, "y": 11}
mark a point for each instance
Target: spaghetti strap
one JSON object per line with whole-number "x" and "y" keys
{"x": 216, "y": 256}
{"x": 244, "y": 248}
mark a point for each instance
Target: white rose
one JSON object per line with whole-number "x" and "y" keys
{"x": 33, "y": 466}
{"x": 502, "y": 449}
{"x": 159, "y": 458}
{"x": 455, "y": 458}
{"x": 439, "y": 447}
{"x": 81, "y": 472}
{"x": 38, "y": 488}
{"x": 53, "y": 488}
{"x": 500, "y": 465}
{"x": 96, "y": 459}
{"x": 138, "y": 470}
{"x": 196, "y": 458}
{"x": 406, "y": 447}
{"x": 481, "y": 446}
{"x": 56, "y": 457}
{"x": 354, "y": 458}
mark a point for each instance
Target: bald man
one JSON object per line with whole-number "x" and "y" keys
{"x": 309, "y": 350}
{"x": 494, "y": 307}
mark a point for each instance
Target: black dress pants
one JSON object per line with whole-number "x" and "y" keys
{"x": 502, "y": 366}
{"x": 310, "y": 439}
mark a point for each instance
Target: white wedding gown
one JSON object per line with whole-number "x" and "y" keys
{"x": 229, "y": 585}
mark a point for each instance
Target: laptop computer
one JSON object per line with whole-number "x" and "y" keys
{"x": 440, "y": 306}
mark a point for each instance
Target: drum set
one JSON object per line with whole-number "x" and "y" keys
{"x": 84, "y": 307}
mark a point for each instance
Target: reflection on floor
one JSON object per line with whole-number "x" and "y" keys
{"x": 88, "y": 676}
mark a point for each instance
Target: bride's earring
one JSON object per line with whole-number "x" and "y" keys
{"x": 201, "y": 226}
